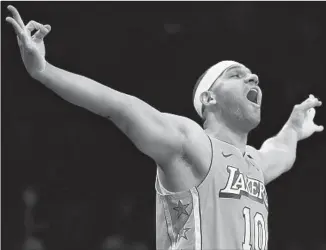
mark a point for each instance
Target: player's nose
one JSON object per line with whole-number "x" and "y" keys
{"x": 252, "y": 79}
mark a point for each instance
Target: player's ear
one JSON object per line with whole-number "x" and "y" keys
{"x": 207, "y": 98}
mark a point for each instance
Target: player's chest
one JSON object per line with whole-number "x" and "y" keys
{"x": 235, "y": 167}
{"x": 240, "y": 178}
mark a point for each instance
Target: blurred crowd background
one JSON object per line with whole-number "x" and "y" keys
{"x": 71, "y": 180}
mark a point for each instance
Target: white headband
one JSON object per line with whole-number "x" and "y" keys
{"x": 209, "y": 78}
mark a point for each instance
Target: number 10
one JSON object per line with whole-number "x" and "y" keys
{"x": 259, "y": 231}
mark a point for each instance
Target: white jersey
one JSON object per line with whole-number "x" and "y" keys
{"x": 228, "y": 210}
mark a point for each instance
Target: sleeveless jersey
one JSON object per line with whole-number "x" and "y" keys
{"x": 227, "y": 211}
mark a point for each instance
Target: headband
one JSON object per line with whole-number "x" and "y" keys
{"x": 213, "y": 73}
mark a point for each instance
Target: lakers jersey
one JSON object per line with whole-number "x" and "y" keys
{"x": 227, "y": 211}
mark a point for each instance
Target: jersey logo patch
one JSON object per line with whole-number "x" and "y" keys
{"x": 239, "y": 185}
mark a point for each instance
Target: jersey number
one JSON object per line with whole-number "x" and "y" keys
{"x": 259, "y": 231}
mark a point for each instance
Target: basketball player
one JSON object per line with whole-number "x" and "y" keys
{"x": 210, "y": 184}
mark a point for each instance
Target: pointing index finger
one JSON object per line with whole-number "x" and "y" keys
{"x": 16, "y": 16}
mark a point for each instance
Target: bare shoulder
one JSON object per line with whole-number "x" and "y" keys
{"x": 192, "y": 131}
{"x": 193, "y": 165}
{"x": 185, "y": 124}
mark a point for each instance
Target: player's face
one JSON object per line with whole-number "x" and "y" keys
{"x": 239, "y": 97}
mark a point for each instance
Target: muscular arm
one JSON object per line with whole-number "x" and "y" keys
{"x": 278, "y": 153}
{"x": 153, "y": 133}
{"x": 164, "y": 137}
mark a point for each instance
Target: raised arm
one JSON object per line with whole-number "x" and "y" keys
{"x": 279, "y": 152}
{"x": 156, "y": 134}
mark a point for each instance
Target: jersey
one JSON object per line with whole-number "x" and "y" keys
{"x": 228, "y": 210}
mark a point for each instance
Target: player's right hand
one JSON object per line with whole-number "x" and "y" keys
{"x": 32, "y": 48}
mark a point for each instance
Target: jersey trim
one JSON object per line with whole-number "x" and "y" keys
{"x": 160, "y": 189}
{"x": 200, "y": 221}
{"x": 211, "y": 163}
{"x": 168, "y": 222}
{"x": 197, "y": 218}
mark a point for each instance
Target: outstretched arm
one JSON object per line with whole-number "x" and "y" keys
{"x": 279, "y": 153}
{"x": 154, "y": 133}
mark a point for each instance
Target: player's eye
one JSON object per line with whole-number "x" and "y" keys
{"x": 236, "y": 75}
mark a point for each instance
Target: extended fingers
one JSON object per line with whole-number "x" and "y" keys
{"x": 18, "y": 30}
{"x": 16, "y": 16}
{"x": 15, "y": 25}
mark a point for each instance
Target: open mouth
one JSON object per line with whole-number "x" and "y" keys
{"x": 253, "y": 96}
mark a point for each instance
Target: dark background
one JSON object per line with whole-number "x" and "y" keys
{"x": 87, "y": 174}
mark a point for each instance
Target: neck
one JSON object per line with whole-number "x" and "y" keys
{"x": 226, "y": 131}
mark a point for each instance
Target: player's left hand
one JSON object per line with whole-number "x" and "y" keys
{"x": 32, "y": 49}
{"x": 302, "y": 118}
